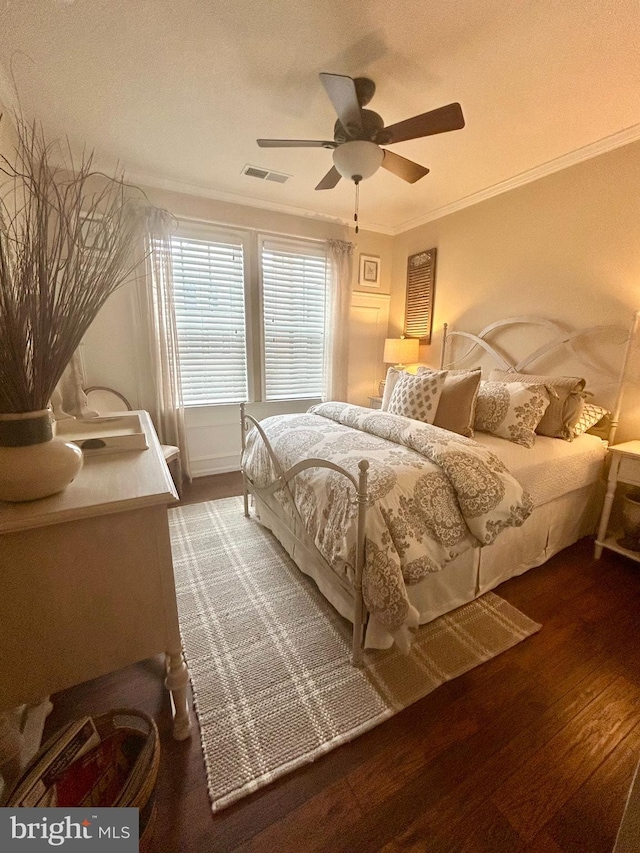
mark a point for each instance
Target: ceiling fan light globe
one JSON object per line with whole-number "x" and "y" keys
{"x": 358, "y": 158}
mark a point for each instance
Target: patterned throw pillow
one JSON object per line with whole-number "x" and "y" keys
{"x": 589, "y": 417}
{"x": 511, "y": 410}
{"x": 565, "y": 400}
{"x": 417, "y": 397}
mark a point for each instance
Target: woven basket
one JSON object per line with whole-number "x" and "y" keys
{"x": 138, "y": 753}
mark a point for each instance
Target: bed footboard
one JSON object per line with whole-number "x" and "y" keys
{"x": 283, "y": 478}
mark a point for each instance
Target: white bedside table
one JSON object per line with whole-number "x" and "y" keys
{"x": 625, "y": 468}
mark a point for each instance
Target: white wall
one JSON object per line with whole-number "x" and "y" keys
{"x": 565, "y": 247}
{"x": 8, "y": 143}
{"x": 368, "y": 329}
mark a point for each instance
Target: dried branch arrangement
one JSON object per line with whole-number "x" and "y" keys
{"x": 68, "y": 238}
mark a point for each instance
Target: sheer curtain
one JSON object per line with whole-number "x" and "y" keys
{"x": 336, "y": 351}
{"x": 68, "y": 399}
{"x": 167, "y": 404}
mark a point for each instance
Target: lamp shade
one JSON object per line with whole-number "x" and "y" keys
{"x": 358, "y": 159}
{"x": 401, "y": 350}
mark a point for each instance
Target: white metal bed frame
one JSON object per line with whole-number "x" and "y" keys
{"x": 282, "y": 481}
{"x": 283, "y": 478}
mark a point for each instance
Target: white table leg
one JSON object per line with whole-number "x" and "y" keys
{"x": 177, "y": 681}
{"x": 608, "y": 503}
{"x": 11, "y": 748}
{"x": 20, "y": 738}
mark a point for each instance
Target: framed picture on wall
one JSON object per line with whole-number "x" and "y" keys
{"x": 369, "y": 271}
{"x": 93, "y": 233}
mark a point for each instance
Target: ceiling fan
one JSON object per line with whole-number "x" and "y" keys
{"x": 359, "y": 133}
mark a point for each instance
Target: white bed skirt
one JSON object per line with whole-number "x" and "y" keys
{"x": 550, "y": 528}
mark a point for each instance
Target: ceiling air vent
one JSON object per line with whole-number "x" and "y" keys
{"x": 265, "y": 174}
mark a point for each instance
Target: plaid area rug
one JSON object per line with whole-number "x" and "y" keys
{"x": 269, "y": 657}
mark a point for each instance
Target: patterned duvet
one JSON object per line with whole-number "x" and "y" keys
{"x": 433, "y": 495}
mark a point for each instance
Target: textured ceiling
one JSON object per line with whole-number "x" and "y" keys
{"x": 179, "y": 91}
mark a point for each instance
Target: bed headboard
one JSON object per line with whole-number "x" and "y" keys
{"x": 527, "y": 344}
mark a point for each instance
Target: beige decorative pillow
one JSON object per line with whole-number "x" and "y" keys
{"x": 511, "y": 410}
{"x": 564, "y": 409}
{"x": 603, "y": 428}
{"x": 457, "y": 406}
{"x": 417, "y": 397}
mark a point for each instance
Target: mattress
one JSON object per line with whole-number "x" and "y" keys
{"x": 551, "y": 467}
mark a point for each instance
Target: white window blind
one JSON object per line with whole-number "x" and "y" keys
{"x": 293, "y": 304}
{"x": 208, "y": 278}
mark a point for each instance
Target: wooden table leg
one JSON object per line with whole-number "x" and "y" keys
{"x": 177, "y": 681}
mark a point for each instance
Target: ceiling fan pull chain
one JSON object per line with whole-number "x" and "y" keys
{"x": 355, "y": 215}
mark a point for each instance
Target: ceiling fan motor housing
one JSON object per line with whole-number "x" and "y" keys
{"x": 372, "y": 126}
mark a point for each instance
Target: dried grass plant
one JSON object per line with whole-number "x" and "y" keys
{"x": 69, "y": 237}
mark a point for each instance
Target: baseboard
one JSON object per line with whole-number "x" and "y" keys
{"x": 628, "y": 839}
{"x": 223, "y": 463}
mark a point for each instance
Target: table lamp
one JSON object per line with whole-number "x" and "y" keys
{"x": 401, "y": 351}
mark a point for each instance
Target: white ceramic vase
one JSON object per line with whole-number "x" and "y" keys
{"x": 33, "y": 463}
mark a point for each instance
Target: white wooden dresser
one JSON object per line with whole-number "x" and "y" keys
{"x": 86, "y": 581}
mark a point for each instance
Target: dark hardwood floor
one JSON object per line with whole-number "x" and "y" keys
{"x": 533, "y": 751}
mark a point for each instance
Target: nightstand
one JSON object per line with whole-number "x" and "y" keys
{"x": 625, "y": 468}
{"x": 375, "y": 402}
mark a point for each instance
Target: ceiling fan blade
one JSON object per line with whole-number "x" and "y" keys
{"x": 330, "y": 179}
{"x": 441, "y": 120}
{"x": 342, "y": 94}
{"x": 296, "y": 143}
{"x": 403, "y": 168}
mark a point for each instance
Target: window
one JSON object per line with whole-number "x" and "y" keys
{"x": 293, "y": 301}
{"x": 235, "y": 289}
{"x": 208, "y": 279}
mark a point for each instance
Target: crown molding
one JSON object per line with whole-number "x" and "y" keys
{"x": 172, "y": 185}
{"x": 587, "y": 152}
{"x": 9, "y": 100}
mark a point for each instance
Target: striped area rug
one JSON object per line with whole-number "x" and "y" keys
{"x": 269, "y": 658}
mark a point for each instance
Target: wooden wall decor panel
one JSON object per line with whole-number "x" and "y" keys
{"x": 421, "y": 281}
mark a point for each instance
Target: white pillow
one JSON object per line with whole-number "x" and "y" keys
{"x": 389, "y": 384}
